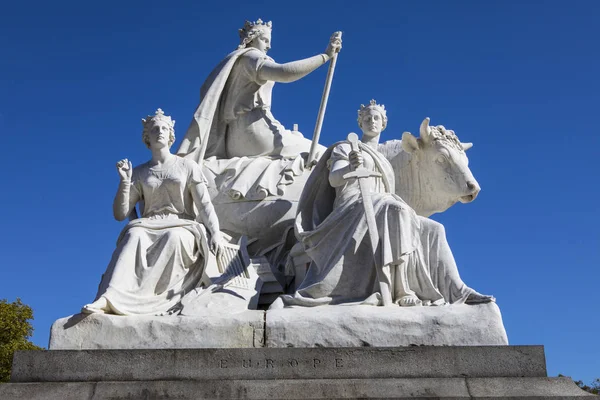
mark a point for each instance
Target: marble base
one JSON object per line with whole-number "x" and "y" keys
{"x": 395, "y": 388}
{"x": 101, "y": 331}
{"x": 476, "y": 372}
{"x": 355, "y": 326}
{"x": 325, "y": 326}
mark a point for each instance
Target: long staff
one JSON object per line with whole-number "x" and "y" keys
{"x": 324, "y": 98}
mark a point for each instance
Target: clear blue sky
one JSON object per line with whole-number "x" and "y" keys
{"x": 519, "y": 79}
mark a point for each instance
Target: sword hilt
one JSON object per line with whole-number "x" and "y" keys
{"x": 353, "y": 139}
{"x": 360, "y": 172}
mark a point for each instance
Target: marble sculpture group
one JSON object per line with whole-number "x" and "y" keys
{"x": 240, "y": 200}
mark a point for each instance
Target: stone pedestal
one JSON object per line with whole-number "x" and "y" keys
{"x": 101, "y": 331}
{"x": 325, "y": 326}
{"x": 348, "y": 326}
{"x": 418, "y": 372}
{"x": 343, "y": 352}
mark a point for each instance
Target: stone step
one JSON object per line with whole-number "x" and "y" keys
{"x": 279, "y": 363}
{"x": 399, "y": 388}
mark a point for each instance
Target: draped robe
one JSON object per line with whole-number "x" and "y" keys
{"x": 161, "y": 256}
{"x": 249, "y": 154}
{"x": 332, "y": 227}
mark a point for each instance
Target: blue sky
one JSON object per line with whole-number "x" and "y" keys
{"x": 519, "y": 79}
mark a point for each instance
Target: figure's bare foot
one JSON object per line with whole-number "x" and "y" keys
{"x": 99, "y": 306}
{"x": 409, "y": 301}
{"x": 478, "y": 298}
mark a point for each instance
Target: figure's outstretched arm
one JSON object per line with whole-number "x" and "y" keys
{"x": 292, "y": 71}
{"x": 125, "y": 199}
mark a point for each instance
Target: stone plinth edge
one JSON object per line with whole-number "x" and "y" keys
{"x": 289, "y": 363}
{"x": 100, "y": 331}
{"x": 415, "y": 388}
{"x": 352, "y": 326}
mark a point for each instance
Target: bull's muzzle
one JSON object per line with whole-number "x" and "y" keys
{"x": 473, "y": 190}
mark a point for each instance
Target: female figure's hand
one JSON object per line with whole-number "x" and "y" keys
{"x": 356, "y": 159}
{"x": 216, "y": 243}
{"x": 335, "y": 44}
{"x": 125, "y": 170}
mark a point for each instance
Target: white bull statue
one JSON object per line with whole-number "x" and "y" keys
{"x": 432, "y": 171}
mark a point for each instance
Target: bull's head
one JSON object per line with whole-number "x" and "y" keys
{"x": 440, "y": 170}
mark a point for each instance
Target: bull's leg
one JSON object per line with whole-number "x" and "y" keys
{"x": 405, "y": 297}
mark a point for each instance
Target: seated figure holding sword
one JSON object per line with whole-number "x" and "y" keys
{"x": 367, "y": 245}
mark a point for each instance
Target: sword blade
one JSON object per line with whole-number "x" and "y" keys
{"x": 382, "y": 277}
{"x": 369, "y": 213}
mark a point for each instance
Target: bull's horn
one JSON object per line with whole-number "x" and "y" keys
{"x": 424, "y": 131}
{"x": 466, "y": 146}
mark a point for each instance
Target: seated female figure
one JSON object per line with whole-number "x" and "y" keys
{"x": 234, "y": 117}
{"x": 411, "y": 258}
{"x": 162, "y": 255}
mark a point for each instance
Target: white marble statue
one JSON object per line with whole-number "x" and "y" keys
{"x": 162, "y": 255}
{"x": 234, "y": 116}
{"x": 254, "y": 166}
{"x": 348, "y": 208}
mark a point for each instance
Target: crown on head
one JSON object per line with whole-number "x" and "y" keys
{"x": 158, "y": 115}
{"x": 252, "y": 30}
{"x": 372, "y": 106}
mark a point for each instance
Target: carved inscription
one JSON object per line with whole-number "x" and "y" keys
{"x": 267, "y": 363}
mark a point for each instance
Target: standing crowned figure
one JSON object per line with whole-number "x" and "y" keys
{"x": 409, "y": 261}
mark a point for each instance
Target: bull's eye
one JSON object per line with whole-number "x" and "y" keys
{"x": 441, "y": 159}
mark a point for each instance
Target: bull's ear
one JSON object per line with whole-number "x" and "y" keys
{"x": 409, "y": 142}
{"x": 466, "y": 146}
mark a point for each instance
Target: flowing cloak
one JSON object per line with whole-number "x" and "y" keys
{"x": 246, "y": 177}
{"x": 332, "y": 227}
{"x": 162, "y": 255}
{"x": 206, "y": 124}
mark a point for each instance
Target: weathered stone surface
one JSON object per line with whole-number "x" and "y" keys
{"x": 329, "y": 326}
{"x": 101, "y": 331}
{"x": 525, "y": 388}
{"x": 289, "y": 363}
{"x": 353, "y": 326}
{"x": 402, "y": 388}
{"x": 421, "y": 372}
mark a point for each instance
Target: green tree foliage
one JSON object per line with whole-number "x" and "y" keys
{"x": 15, "y": 330}
{"x": 593, "y": 388}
